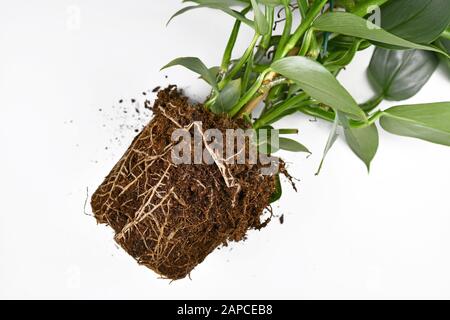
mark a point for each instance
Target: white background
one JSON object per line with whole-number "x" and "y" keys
{"x": 347, "y": 234}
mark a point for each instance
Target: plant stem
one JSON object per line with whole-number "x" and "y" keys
{"x": 304, "y": 25}
{"x": 318, "y": 113}
{"x": 286, "y": 33}
{"x": 264, "y": 91}
{"x": 275, "y": 112}
{"x": 446, "y": 34}
{"x": 326, "y": 36}
{"x": 372, "y": 103}
{"x": 249, "y": 94}
{"x": 362, "y": 8}
{"x": 303, "y": 7}
{"x": 265, "y": 41}
{"x": 232, "y": 42}
{"x": 288, "y": 131}
{"x": 330, "y": 116}
{"x": 247, "y": 74}
{"x": 306, "y": 44}
{"x": 358, "y": 124}
{"x": 240, "y": 63}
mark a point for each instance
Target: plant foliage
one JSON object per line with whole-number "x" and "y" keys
{"x": 294, "y": 70}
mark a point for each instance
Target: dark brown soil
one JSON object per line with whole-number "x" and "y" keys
{"x": 170, "y": 217}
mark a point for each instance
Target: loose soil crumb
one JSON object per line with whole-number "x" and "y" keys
{"x": 171, "y": 217}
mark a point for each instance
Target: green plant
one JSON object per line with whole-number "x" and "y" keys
{"x": 295, "y": 71}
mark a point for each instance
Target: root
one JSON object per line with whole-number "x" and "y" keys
{"x": 220, "y": 162}
{"x": 141, "y": 213}
{"x": 170, "y": 217}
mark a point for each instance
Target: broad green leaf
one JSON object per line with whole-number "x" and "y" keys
{"x": 228, "y": 97}
{"x": 227, "y": 10}
{"x": 420, "y": 21}
{"x": 362, "y": 141}
{"x": 330, "y": 142}
{"x": 196, "y": 65}
{"x": 352, "y": 25}
{"x": 292, "y": 145}
{"x": 319, "y": 83}
{"x": 400, "y": 74}
{"x": 261, "y": 24}
{"x": 278, "y": 190}
{"x": 430, "y": 122}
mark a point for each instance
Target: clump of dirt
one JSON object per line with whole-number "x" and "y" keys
{"x": 170, "y": 217}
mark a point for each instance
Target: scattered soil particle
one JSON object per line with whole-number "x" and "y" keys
{"x": 121, "y": 101}
{"x": 171, "y": 217}
{"x": 156, "y": 89}
{"x": 133, "y": 100}
{"x": 282, "y": 219}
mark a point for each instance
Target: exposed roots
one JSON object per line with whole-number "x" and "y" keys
{"x": 170, "y": 217}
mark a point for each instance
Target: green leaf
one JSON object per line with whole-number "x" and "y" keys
{"x": 319, "y": 83}
{"x": 292, "y": 145}
{"x": 227, "y": 10}
{"x": 420, "y": 21}
{"x": 330, "y": 142}
{"x": 196, "y": 65}
{"x": 278, "y": 190}
{"x": 228, "y": 97}
{"x": 430, "y": 122}
{"x": 261, "y": 24}
{"x": 363, "y": 142}
{"x": 444, "y": 44}
{"x": 400, "y": 74}
{"x": 352, "y": 25}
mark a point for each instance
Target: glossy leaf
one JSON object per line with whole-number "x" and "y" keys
{"x": 261, "y": 25}
{"x": 319, "y": 83}
{"x": 228, "y": 97}
{"x": 400, "y": 74}
{"x": 420, "y": 21}
{"x": 352, "y": 25}
{"x": 363, "y": 142}
{"x": 430, "y": 122}
{"x": 292, "y": 145}
{"x": 195, "y": 65}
